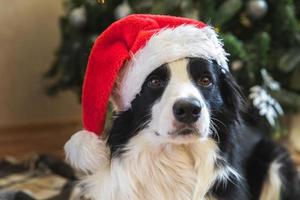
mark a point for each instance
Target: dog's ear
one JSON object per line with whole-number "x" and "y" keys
{"x": 232, "y": 94}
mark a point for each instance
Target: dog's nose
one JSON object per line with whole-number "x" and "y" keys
{"x": 187, "y": 110}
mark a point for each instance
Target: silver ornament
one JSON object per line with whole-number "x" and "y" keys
{"x": 77, "y": 17}
{"x": 122, "y": 10}
{"x": 257, "y": 9}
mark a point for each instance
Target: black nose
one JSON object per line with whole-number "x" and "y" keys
{"x": 187, "y": 110}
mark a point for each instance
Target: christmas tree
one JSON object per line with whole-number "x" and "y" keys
{"x": 261, "y": 36}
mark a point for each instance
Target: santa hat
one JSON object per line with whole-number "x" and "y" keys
{"x": 127, "y": 52}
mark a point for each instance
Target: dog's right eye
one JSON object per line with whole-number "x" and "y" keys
{"x": 155, "y": 82}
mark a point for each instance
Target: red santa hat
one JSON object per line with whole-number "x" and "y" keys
{"x": 121, "y": 59}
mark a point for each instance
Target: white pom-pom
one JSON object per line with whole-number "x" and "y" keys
{"x": 87, "y": 152}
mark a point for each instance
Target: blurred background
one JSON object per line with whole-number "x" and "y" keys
{"x": 43, "y": 55}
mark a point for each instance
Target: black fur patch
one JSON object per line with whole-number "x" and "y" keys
{"x": 225, "y": 101}
{"x": 128, "y": 123}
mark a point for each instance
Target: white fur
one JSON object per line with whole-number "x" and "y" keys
{"x": 149, "y": 170}
{"x": 272, "y": 185}
{"x": 86, "y": 151}
{"x": 167, "y": 46}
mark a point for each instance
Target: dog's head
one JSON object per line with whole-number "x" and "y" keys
{"x": 169, "y": 82}
{"x": 179, "y": 102}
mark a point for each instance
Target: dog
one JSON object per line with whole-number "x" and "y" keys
{"x": 185, "y": 138}
{"x": 180, "y": 129}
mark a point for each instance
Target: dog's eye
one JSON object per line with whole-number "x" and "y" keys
{"x": 155, "y": 82}
{"x": 204, "y": 81}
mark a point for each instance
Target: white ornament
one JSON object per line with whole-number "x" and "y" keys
{"x": 256, "y": 9}
{"x": 269, "y": 81}
{"x": 77, "y": 17}
{"x": 122, "y": 10}
{"x": 266, "y": 105}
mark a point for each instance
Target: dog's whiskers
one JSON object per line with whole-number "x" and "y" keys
{"x": 214, "y": 130}
{"x": 141, "y": 123}
{"x": 219, "y": 121}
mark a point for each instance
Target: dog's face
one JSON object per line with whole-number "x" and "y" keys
{"x": 180, "y": 102}
{"x": 181, "y": 110}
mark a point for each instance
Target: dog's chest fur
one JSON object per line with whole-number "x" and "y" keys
{"x": 178, "y": 172}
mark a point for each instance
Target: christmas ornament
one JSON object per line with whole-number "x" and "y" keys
{"x": 122, "y": 10}
{"x": 267, "y": 106}
{"x": 269, "y": 81}
{"x": 77, "y": 17}
{"x": 257, "y": 9}
{"x": 151, "y": 40}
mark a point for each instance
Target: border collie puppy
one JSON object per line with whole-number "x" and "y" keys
{"x": 183, "y": 136}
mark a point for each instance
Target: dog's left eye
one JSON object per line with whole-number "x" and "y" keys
{"x": 204, "y": 81}
{"x": 155, "y": 82}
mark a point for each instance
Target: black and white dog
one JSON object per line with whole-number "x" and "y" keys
{"x": 184, "y": 138}
{"x": 180, "y": 131}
